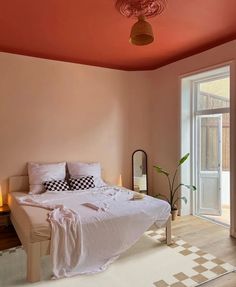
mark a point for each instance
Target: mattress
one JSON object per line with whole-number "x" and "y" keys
{"x": 34, "y": 224}
{"x": 32, "y": 220}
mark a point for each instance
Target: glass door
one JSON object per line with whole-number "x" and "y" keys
{"x": 209, "y": 164}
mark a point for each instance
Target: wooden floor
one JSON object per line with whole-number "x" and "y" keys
{"x": 8, "y": 237}
{"x": 208, "y": 236}
{"x": 211, "y": 238}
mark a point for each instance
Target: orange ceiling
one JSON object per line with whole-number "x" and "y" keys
{"x": 92, "y": 32}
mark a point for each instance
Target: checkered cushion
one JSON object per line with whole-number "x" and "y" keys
{"x": 56, "y": 185}
{"x": 85, "y": 182}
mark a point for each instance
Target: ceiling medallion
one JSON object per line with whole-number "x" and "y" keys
{"x": 141, "y": 32}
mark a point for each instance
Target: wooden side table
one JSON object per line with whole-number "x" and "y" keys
{"x": 5, "y": 215}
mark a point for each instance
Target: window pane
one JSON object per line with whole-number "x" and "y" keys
{"x": 213, "y": 94}
{"x": 225, "y": 142}
{"x": 209, "y": 144}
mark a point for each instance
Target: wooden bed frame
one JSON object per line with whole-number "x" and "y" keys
{"x": 36, "y": 250}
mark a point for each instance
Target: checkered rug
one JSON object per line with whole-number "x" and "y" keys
{"x": 149, "y": 263}
{"x": 205, "y": 266}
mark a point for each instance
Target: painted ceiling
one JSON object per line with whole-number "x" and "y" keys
{"x": 92, "y": 32}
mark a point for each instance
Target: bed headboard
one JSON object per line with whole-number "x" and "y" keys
{"x": 19, "y": 183}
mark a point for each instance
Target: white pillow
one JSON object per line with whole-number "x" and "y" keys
{"x": 82, "y": 169}
{"x": 39, "y": 173}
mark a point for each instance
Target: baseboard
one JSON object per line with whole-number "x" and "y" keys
{"x": 232, "y": 232}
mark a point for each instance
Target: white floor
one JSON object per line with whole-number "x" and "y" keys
{"x": 224, "y": 218}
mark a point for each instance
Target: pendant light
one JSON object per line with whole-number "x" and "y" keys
{"x": 141, "y": 32}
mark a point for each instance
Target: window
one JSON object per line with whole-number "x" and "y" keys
{"x": 213, "y": 94}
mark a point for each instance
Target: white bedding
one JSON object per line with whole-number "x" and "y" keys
{"x": 90, "y": 229}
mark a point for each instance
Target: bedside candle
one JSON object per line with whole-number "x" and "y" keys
{"x": 1, "y": 201}
{"x": 120, "y": 181}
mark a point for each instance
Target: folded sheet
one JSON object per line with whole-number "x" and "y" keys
{"x": 93, "y": 206}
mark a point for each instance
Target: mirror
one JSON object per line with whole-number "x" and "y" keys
{"x": 139, "y": 171}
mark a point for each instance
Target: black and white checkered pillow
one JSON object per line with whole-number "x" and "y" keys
{"x": 85, "y": 182}
{"x": 56, "y": 185}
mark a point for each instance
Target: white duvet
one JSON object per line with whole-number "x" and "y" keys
{"x": 90, "y": 229}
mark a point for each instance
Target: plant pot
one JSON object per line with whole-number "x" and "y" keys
{"x": 174, "y": 214}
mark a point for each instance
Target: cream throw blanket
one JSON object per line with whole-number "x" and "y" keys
{"x": 90, "y": 229}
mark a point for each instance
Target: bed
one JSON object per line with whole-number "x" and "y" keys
{"x": 33, "y": 228}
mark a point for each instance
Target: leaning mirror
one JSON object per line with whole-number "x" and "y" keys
{"x": 139, "y": 171}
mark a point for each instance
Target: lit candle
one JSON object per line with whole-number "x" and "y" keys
{"x": 120, "y": 180}
{"x": 1, "y": 201}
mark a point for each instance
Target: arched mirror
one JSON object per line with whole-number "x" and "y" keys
{"x": 139, "y": 171}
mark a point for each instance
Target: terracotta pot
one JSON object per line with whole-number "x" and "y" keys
{"x": 174, "y": 214}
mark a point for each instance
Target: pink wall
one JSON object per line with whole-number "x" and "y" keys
{"x": 55, "y": 111}
{"x": 166, "y": 105}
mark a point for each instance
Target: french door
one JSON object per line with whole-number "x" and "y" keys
{"x": 209, "y": 164}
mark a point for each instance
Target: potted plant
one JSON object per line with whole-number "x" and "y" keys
{"x": 173, "y": 187}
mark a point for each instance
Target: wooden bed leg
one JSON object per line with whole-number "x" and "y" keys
{"x": 168, "y": 231}
{"x": 33, "y": 262}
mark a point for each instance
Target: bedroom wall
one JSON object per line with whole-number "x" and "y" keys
{"x": 166, "y": 105}
{"x": 56, "y": 111}
{"x": 53, "y": 111}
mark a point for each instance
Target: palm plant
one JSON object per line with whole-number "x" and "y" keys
{"x": 173, "y": 188}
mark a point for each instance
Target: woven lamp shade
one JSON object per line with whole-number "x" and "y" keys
{"x": 141, "y": 33}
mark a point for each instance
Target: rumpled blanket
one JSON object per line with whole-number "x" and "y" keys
{"x": 90, "y": 229}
